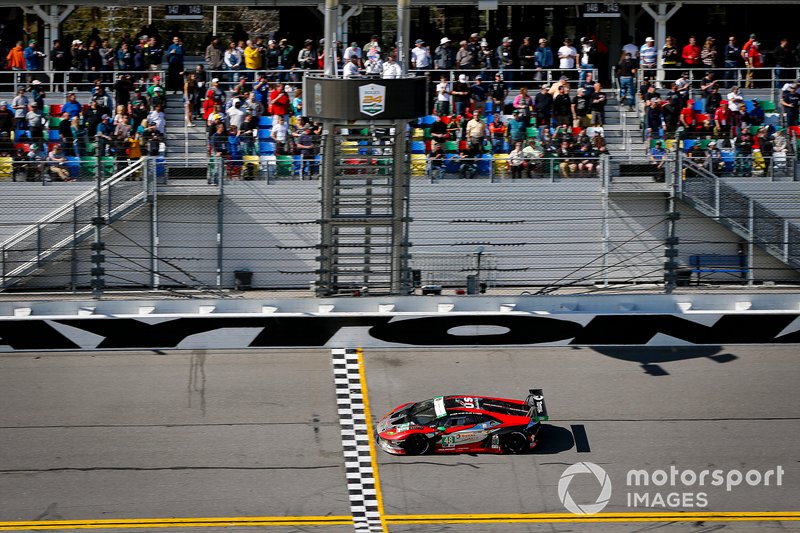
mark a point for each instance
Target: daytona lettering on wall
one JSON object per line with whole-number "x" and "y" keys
{"x": 105, "y": 333}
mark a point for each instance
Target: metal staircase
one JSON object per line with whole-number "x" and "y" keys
{"x": 61, "y": 231}
{"x": 741, "y": 213}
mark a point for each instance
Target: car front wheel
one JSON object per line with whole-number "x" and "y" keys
{"x": 416, "y": 445}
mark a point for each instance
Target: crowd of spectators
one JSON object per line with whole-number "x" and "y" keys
{"x": 477, "y": 119}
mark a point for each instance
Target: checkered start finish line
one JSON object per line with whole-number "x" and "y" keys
{"x": 361, "y": 476}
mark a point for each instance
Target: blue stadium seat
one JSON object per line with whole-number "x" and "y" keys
{"x": 451, "y": 163}
{"x": 52, "y": 136}
{"x": 264, "y": 121}
{"x": 427, "y": 120}
{"x": 698, "y": 106}
{"x": 266, "y": 148}
{"x": 490, "y": 106}
{"x": 485, "y": 164}
{"x": 417, "y": 147}
{"x": 688, "y": 144}
{"x": 263, "y": 134}
{"x": 73, "y": 164}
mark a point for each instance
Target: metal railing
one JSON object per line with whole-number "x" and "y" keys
{"x": 65, "y": 227}
{"x": 744, "y": 215}
{"x": 81, "y": 81}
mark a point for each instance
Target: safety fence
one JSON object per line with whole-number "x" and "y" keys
{"x": 68, "y": 225}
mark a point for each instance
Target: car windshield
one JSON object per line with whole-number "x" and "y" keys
{"x": 423, "y": 413}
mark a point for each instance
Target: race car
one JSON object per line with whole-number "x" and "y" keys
{"x": 463, "y": 424}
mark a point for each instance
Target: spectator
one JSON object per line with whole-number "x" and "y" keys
{"x": 391, "y": 69}
{"x": 691, "y": 56}
{"x": 465, "y": 59}
{"x": 497, "y": 131}
{"x": 36, "y": 122}
{"x": 175, "y": 56}
{"x": 436, "y": 160}
{"x": 373, "y": 67}
{"x": 104, "y": 137}
{"x": 756, "y": 114}
{"x": 215, "y": 55}
{"x": 15, "y": 59}
{"x": 444, "y": 56}
{"x": 580, "y": 109}
{"x": 505, "y": 59}
{"x": 65, "y": 133}
{"x": 543, "y": 58}
{"x": 353, "y": 51}
{"x": 443, "y": 97}
{"x": 653, "y": 118}
{"x": 498, "y": 92}
{"x": 782, "y": 56}
{"x": 648, "y": 56}
{"x": 280, "y": 134}
{"x": 297, "y": 101}
{"x": 708, "y": 54}
{"x": 543, "y": 105}
{"x": 517, "y": 128}
{"x": 350, "y": 69}
{"x": 253, "y": 55}
{"x": 307, "y": 58}
{"x": 107, "y": 60}
{"x": 598, "y": 105}
{"x": 373, "y": 48}
{"x": 80, "y": 136}
{"x": 56, "y": 162}
{"x": 587, "y": 57}
{"x": 526, "y": 53}
{"x": 460, "y": 94}
{"x": 232, "y": 60}
{"x": 516, "y": 161}
{"x": 272, "y": 59}
{"x": 6, "y": 118}
{"x": 523, "y": 103}
{"x": 478, "y": 95}
{"x": 562, "y": 108}
{"x": 139, "y": 63}
{"x": 732, "y": 55}
{"x": 307, "y": 148}
{"x": 476, "y": 131}
{"x": 156, "y": 118}
{"x": 631, "y": 48}
{"x": 20, "y": 106}
{"x": 532, "y": 155}
{"x": 754, "y": 61}
{"x": 658, "y": 155}
{"x": 486, "y": 59}
{"x": 790, "y": 100}
{"x": 468, "y": 164}
{"x": 626, "y": 70}
{"x": 744, "y": 153}
{"x": 153, "y": 54}
{"x": 669, "y": 54}
{"x": 722, "y": 120}
{"x": 420, "y": 56}
{"x": 439, "y": 130}
{"x": 567, "y": 56}
{"x": 34, "y": 59}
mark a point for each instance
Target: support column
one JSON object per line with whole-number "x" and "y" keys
{"x": 403, "y": 33}
{"x": 661, "y": 17}
{"x": 331, "y": 26}
{"x": 352, "y": 11}
{"x": 52, "y": 19}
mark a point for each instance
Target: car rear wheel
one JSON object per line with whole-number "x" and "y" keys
{"x": 515, "y": 443}
{"x": 416, "y": 445}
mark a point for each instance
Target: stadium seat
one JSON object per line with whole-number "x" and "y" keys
{"x": 73, "y": 164}
{"x": 55, "y": 110}
{"x": 688, "y": 144}
{"x": 462, "y": 145}
{"x": 485, "y": 164}
{"x": 768, "y": 106}
{"x": 251, "y": 166}
{"x": 266, "y": 148}
{"x": 6, "y": 168}
{"x": 698, "y": 106}
{"x": 264, "y": 134}
{"x": 427, "y": 120}
{"x": 417, "y": 147}
{"x": 427, "y": 134}
{"x": 500, "y": 163}
{"x": 54, "y": 122}
{"x": 107, "y": 165}
{"x": 451, "y": 163}
{"x": 451, "y": 146}
{"x": 53, "y": 136}
{"x": 349, "y": 147}
{"x": 490, "y": 106}
{"x": 532, "y": 132}
{"x": 419, "y": 163}
{"x": 161, "y": 167}
{"x": 418, "y": 134}
{"x": 264, "y": 122}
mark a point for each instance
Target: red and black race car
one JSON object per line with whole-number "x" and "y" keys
{"x": 463, "y": 424}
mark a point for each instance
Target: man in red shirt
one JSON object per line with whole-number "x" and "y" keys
{"x": 691, "y": 58}
{"x": 279, "y": 101}
{"x": 687, "y": 116}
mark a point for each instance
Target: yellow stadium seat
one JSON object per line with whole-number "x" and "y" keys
{"x": 6, "y": 168}
{"x": 419, "y": 164}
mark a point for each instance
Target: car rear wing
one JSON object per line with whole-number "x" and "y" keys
{"x": 538, "y": 409}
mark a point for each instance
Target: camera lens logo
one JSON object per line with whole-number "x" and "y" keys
{"x": 586, "y": 508}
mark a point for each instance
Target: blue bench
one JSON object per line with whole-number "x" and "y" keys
{"x": 706, "y": 264}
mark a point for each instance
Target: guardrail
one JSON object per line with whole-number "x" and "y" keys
{"x": 62, "y": 229}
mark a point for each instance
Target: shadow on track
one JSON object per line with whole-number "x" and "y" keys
{"x": 649, "y": 357}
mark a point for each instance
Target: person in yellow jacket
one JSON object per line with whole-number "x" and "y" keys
{"x": 252, "y": 58}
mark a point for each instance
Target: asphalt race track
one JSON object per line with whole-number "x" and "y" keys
{"x": 243, "y": 434}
